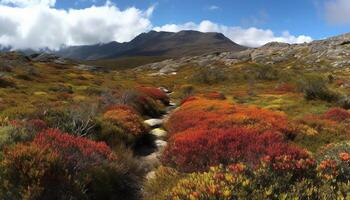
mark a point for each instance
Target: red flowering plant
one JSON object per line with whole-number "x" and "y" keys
{"x": 126, "y": 118}
{"x": 334, "y": 161}
{"x": 33, "y": 172}
{"x": 337, "y": 114}
{"x": 154, "y": 93}
{"x": 77, "y": 153}
{"x": 209, "y": 114}
{"x": 215, "y": 96}
{"x": 198, "y": 149}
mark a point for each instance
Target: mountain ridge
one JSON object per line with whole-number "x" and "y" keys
{"x": 154, "y": 43}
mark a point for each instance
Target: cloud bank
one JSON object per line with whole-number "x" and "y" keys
{"x": 252, "y": 37}
{"x": 38, "y": 24}
{"x": 338, "y": 12}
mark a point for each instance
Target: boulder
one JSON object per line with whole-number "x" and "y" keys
{"x": 159, "y": 132}
{"x": 154, "y": 122}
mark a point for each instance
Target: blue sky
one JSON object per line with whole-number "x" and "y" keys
{"x": 299, "y": 17}
{"x": 53, "y": 23}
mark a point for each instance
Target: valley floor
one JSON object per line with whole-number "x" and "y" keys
{"x": 240, "y": 131}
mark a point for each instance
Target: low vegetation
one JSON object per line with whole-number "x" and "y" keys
{"x": 243, "y": 131}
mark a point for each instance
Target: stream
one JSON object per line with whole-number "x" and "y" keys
{"x": 150, "y": 152}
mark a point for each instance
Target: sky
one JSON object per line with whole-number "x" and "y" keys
{"x": 52, "y": 24}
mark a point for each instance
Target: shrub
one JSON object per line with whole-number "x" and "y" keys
{"x": 154, "y": 93}
{"x": 315, "y": 131}
{"x": 285, "y": 87}
{"x": 113, "y": 135}
{"x": 112, "y": 181}
{"x": 33, "y": 172}
{"x": 78, "y": 153}
{"x": 215, "y": 95}
{"x": 13, "y": 134}
{"x": 186, "y": 91}
{"x": 209, "y": 75}
{"x": 332, "y": 151}
{"x": 315, "y": 87}
{"x": 78, "y": 119}
{"x": 337, "y": 114}
{"x": 211, "y": 114}
{"x": 263, "y": 72}
{"x": 125, "y": 118}
{"x": 344, "y": 102}
{"x": 6, "y": 82}
{"x": 197, "y": 150}
{"x": 161, "y": 184}
{"x": 241, "y": 182}
{"x": 142, "y": 103}
{"x": 148, "y": 106}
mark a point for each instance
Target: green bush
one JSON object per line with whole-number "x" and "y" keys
{"x": 159, "y": 186}
{"x": 315, "y": 87}
{"x": 111, "y": 134}
{"x": 112, "y": 181}
{"x": 30, "y": 172}
{"x": 209, "y": 75}
{"x": 79, "y": 120}
{"x": 263, "y": 72}
{"x": 10, "y": 135}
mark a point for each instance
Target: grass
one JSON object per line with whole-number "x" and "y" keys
{"x": 126, "y": 62}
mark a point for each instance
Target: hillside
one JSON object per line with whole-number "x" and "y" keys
{"x": 154, "y": 43}
{"x": 264, "y": 123}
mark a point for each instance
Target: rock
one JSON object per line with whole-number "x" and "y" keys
{"x": 45, "y": 57}
{"x": 164, "y": 89}
{"x": 154, "y": 122}
{"x": 159, "y": 133}
{"x": 150, "y": 175}
{"x": 276, "y": 45}
{"x": 86, "y": 67}
{"x": 160, "y": 144}
{"x": 168, "y": 69}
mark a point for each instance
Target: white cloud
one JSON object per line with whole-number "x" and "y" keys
{"x": 27, "y": 3}
{"x": 252, "y": 37}
{"x": 338, "y": 11}
{"x": 40, "y": 26}
{"x": 213, "y": 7}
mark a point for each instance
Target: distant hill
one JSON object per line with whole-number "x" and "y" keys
{"x": 165, "y": 44}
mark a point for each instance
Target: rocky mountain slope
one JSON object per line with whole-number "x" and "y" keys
{"x": 189, "y": 43}
{"x": 332, "y": 53}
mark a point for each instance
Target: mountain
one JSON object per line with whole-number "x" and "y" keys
{"x": 167, "y": 44}
{"x": 332, "y": 54}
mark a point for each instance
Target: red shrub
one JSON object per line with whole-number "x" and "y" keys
{"x": 187, "y": 99}
{"x": 196, "y": 150}
{"x": 77, "y": 152}
{"x": 285, "y": 87}
{"x": 36, "y": 124}
{"x": 215, "y": 95}
{"x": 32, "y": 172}
{"x": 204, "y": 113}
{"x": 155, "y": 93}
{"x": 126, "y": 118}
{"x": 337, "y": 114}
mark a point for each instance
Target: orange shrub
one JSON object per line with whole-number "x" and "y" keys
{"x": 210, "y": 114}
{"x": 337, "y": 114}
{"x": 155, "y": 93}
{"x": 76, "y": 152}
{"x": 126, "y": 118}
{"x": 33, "y": 172}
{"x": 198, "y": 149}
{"x": 215, "y": 95}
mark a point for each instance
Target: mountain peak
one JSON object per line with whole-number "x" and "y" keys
{"x": 153, "y": 43}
